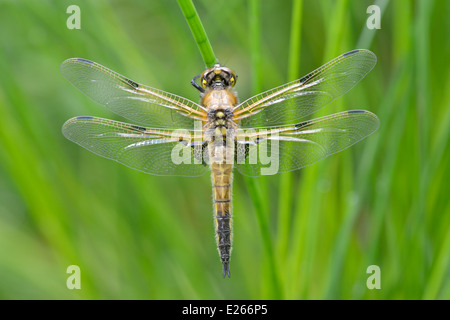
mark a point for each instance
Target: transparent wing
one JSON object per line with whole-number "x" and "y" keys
{"x": 136, "y": 102}
{"x": 295, "y": 100}
{"x": 289, "y": 148}
{"x": 154, "y": 151}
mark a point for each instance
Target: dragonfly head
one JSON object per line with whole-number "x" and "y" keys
{"x": 218, "y": 77}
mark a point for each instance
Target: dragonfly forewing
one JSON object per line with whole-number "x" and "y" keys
{"x": 136, "y": 102}
{"x": 295, "y": 100}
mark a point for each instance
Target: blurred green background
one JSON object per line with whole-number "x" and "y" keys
{"x": 309, "y": 234}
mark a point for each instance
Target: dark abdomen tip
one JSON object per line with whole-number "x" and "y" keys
{"x": 226, "y": 269}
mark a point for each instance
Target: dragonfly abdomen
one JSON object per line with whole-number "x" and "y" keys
{"x": 222, "y": 177}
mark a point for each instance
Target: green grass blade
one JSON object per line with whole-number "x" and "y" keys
{"x": 255, "y": 44}
{"x": 295, "y": 40}
{"x": 260, "y": 201}
{"x": 441, "y": 266}
{"x": 285, "y": 195}
{"x": 262, "y": 218}
{"x": 199, "y": 33}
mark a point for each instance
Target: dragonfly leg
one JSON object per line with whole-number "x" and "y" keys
{"x": 196, "y": 85}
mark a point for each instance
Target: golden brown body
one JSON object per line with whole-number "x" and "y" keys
{"x": 224, "y": 98}
{"x": 219, "y": 103}
{"x": 222, "y": 177}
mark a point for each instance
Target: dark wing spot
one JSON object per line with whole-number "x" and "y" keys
{"x": 132, "y": 83}
{"x": 356, "y": 111}
{"x": 302, "y": 124}
{"x": 305, "y": 78}
{"x": 85, "y": 118}
{"x": 85, "y": 61}
{"x": 138, "y": 128}
{"x": 350, "y": 53}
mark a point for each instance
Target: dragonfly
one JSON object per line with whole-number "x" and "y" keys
{"x": 271, "y": 132}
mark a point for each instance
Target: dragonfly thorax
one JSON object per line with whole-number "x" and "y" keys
{"x": 220, "y": 116}
{"x": 220, "y": 127}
